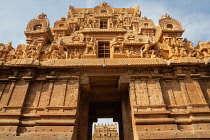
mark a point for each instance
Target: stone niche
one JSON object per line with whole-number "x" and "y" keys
{"x": 105, "y": 62}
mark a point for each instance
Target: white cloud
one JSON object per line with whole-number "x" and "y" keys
{"x": 91, "y": 3}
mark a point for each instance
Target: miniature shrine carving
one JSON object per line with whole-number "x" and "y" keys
{"x": 105, "y": 62}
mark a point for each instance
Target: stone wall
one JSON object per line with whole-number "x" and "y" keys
{"x": 160, "y": 79}
{"x": 38, "y": 103}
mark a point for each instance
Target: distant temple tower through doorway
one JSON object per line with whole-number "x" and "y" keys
{"x": 105, "y": 132}
{"x": 105, "y": 62}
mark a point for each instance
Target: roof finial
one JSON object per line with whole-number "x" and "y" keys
{"x": 42, "y": 16}
{"x": 103, "y": 4}
{"x": 165, "y": 16}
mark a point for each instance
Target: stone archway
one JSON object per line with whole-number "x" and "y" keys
{"x": 104, "y": 100}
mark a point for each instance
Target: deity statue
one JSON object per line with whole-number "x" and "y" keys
{"x": 90, "y": 47}
{"x": 146, "y": 49}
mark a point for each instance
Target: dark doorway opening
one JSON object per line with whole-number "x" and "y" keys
{"x": 105, "y": 110}
{"x": 104, "y": 97}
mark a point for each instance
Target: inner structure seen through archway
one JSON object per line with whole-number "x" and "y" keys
{"x": 96, "y": 103}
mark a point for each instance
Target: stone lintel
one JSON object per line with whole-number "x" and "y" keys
{"x": 27, "y": 78}
{"x": 12, "y": 78}
{"x": 169, "y": 78}
{"x": 151, "y": 112}
{"x": 154, "y": 121}
{"x": 195, "y": 76}
{"x": 51, "y": 78}
{"x": 180, "y": 76}
{"x": 41, "y": 79}
{"x": 55, "y": 122}
{"x": 4, "y": 80}
{"x": 157, "y": 75}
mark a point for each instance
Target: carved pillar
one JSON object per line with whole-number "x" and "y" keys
{"x": 13, "y": 81}
{"x": 159, "y": 91}
{"x": 205, "y": 86}
{"x": 83, "y": 117}
{"x": 142, "y": 94}
{"x": 198, "y": 88}
{"x": 133, "y": 103}
{"x": 83, "y": 108}
{"x": 3, "y": 86}
{"x": 64, "y": 80}
{"x": 170, "y": 92}
{"x": 150, "y": 108}
{"x": 132, "y": 92}
{"x": 126, "y": 117}
{"x": 38, "y": 93}
{"x": 27, "y": 84}
{"x": 76, "y": 105}
{"x": 183, "y": 89}
{"x": 76, "y": 91}
{"x": 50, "y": 89}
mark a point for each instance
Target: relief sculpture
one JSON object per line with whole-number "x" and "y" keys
{"x": 105, "y": 62}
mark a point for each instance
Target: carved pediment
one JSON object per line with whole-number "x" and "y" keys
{"x": 76, "y": 38}
{"x": 168, "y": 23}
{"x": 38, "y": 24}
{"x": 60, "y": 24}
{"x": 146, "y": 23}
{"x": 103, "y": 9}
{"x": 133, "y": 38}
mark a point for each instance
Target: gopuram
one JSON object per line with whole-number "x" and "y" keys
{"x": 105, "y": 132}
{"x": 105, "y": 62}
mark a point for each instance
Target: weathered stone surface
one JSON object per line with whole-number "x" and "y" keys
{"x": 105, "y": 62}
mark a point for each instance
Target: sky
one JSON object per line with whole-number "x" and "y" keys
{"x": 15, "y": 14}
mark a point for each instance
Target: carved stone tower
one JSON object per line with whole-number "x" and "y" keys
{"x": 105, "y": 132}
{"x": 105, "y": 62}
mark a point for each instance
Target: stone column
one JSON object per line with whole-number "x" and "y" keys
{"x": 183, "y": 88}
{"x": 27, "y": 84}
{"x": 37, "y": 100}
{"x": 170, "y": 92}
{"x": 3, "y": 84}
{"x": 64, "y": 80}
{"x": 51, "y": 80}
{"x": 83, "y": 117}
{"x": 198, "y": 88}
{"x": 12, "y": 86}
{"x": 159, "y": 91}
{"x": 126, "y": 117}
{"x": 132, "y": 95}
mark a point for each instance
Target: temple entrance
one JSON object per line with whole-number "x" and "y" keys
{"x": 101, "y": 97}
{"x": 105, "y": 110}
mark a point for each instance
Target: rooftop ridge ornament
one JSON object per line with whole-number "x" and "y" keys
{"x": 105, "y": 62}
{"x": 103, "y": 4}
{"x": 166, "y": 16}
{"x": 42, "y": 16}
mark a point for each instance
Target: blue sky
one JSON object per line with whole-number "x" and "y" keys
{"x": 15, "y": 14}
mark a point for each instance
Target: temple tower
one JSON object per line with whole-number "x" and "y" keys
{"x": 105, "y": 62}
